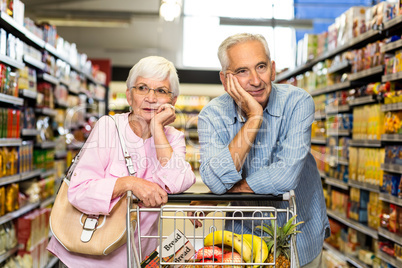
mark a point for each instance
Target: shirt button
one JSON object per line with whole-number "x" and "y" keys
{"x": 258, "y": 143}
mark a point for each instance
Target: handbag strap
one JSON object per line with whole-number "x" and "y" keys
{"x": 127, "y": 157}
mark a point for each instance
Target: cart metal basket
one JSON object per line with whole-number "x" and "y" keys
{"x": 174, "y": 218}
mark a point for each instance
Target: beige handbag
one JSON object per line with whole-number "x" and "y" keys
{"x": 89, "y": 234}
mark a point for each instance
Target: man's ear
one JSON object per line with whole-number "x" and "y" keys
{"x": 273, "y": 71}
{"x": 223, "y": 78}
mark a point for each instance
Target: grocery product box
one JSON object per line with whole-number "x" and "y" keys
{"x": 175, "y": 248}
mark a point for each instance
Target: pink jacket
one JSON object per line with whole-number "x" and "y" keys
{"x": 102, "y": 163}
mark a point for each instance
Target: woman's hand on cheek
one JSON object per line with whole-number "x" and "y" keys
{"x": 165, "y": 115}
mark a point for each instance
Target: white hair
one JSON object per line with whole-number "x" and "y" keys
{"x": 237, "y": 39}
{"x": 156, "y": 68}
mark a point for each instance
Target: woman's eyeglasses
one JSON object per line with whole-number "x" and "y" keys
{"x": 159, "y": 92}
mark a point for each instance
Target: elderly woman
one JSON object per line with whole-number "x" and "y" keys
{"x": 157, "y": 151}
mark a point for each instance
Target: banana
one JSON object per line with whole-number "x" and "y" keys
{"x": 232, "y": 240}
{"x": 260, "y": 248}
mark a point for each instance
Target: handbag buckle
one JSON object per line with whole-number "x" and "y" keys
{"x": 89, "y": 228}
{"x": 129, "y": 164}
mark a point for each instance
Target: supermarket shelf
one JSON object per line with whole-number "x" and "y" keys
{"x": 75, "y": 146}
{"x": 391, "y": 46}
{"x": 8, "y": 254}
{"x": 49, "y": 78}
{"x": 319, "y": 115}
{"x": 15, "y": 214}
{"x": 47, "y": 202}
{"x": 391, "y": 137}
{"x": 391, "y": 77}
{"x": 48, "y": 173}
{"x": 46, "y": 144}
{"x": 391, "y": 199}
{"x": 60, "y": 154}
{"x": 364, "y": 38}
{"x": 363, "y": 100}
{"x": 364, "y": 186}
{"x": 9, "y": 179}
{"x": 356, "y": 262}
{"x": 19, "y": 177}
{"x": 338, "y": 132}
{"x": 392, "y": 168}
{"x": 353, "y": 224}
{"x": 34, "y": 62}
{"x": 318, "y": 141}
{"x": 342, "y": 161}
{"x": 336, "y": 252}
{"x": 192, "y": 133}
{"x": 393, "y": 25}
{"x": 11, "y": 99}
{"x": 46, "y": 111}
{"x": 74, "y": 91}
{"x": 36, "y": 40}
{"x": 339, "y": 67}
{"x": 391, "y": 107}
{"x": 54, "y": 52}
{"x": 29, "y": 132}
{"x": 332, "y": 88}
{"x": 336, "y": 183}
{"x": 28, "y": 94}
{"x": 9, "y": 23}
{"x": 298, "y": 70}
{"x": 391, "y": 260}
{"x": 64, "y": 82}
{"x": 61, "y": 104}
{"x": 365, "y": 143}
{"x": 336, "y": 160}
{"x": 21, "y": 32}
{"x": 10, "y": 142}
{"x": 391, "y": 236}
{"x": 88, "y": 115}
{"x": 346, "y": 258}
{"x": 337, "y": 110}
{"x": 13, "y": 63}
{"x": 366, "y": 73}
{"x": 30, "y": 174}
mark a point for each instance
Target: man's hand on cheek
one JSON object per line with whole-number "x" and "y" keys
{"x": 243, "y": 99}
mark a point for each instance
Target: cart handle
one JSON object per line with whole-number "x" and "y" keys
{"x": 227, "y": 197}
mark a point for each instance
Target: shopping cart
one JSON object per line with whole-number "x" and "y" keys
{"x": 174, "y": 218}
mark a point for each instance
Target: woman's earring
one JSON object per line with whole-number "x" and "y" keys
{"x": 130, "y": 109}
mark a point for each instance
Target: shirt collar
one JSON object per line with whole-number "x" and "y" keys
{"x": 275, "y": 103}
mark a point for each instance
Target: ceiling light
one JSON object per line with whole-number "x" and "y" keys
{"x": 295, "y": 23}
{"x": 85, "y": 22}
{"x": 170, "y": 9}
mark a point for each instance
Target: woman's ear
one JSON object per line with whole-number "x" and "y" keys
{"x": 129, "y": 96}
{"x": 174, "y": 100}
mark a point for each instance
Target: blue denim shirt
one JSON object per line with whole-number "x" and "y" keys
{"x": 279, "y": 160}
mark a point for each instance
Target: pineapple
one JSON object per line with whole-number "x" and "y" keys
{"x": 283, "y": 235}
